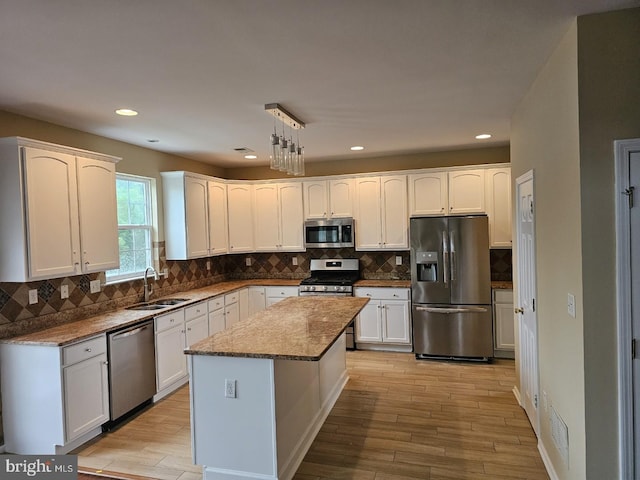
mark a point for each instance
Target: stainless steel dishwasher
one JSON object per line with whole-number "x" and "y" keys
{"x": 132, "y": 368}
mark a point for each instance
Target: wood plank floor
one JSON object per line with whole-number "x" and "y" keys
{"x": 397, "y": 419}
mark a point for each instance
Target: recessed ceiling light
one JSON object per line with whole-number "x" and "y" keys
{"x": 357, "y": 148}
{"x": 250, "y": 157}
{"x": 483, "y": 136}
{"x": 127, "y": 112}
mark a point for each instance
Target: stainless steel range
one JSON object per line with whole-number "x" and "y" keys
{"x": 333, "y": 277}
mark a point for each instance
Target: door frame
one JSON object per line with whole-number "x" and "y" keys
{"x": 623, "y": 149}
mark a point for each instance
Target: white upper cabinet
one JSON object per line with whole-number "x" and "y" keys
{"x": 240, "y": 217}
{"x": 58, "y": 211}
{"x": 278, "y": 218}
{"x": 381, "y": 213}
{"x": 466, "y": 191}
{"x": 498, "y": 203}
{"x": 328, "y": 198}
{"x": 195, "y": 212}
{"x": 428, "y": 193}
{"x": 218, "y": 237}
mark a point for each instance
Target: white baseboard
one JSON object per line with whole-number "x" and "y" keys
{"x": 516, "y": 393}
{"x": 547, "y": 462}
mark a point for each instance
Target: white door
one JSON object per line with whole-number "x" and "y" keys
{"x": 394, "y": 218}
{"x": 526, "y": 295}
{"x": 291, "y": 216}
{"x": 428, "y": 194}
{"x": 368, "y": 326}
{"x": 315, "y": 199}
{"x": 197, "y": 217}
{"x": 240, "y": 218}
{"x": 466, "y": 191}
{"x": 266, "y": 222}
{"x": 367, "y": 210}
{"x": 395, "y": 323}
{"x": 98, "y": 215}
{"x": 171, "y": 362}
{"x": 196, "y": 330}
{"x": 217, "y": 218}
{"x": 341, "y": 197}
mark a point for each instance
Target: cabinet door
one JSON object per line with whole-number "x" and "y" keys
{"x": 367, "y": 210}
{"x": 98, "y": 215}
{"x": 86, "y": 396}
{"x": 428, "y": 194}
{"x": 217, "y": 202}
{"x": 243, "y": 304}
{"x": 466, "y": 191}
{"x": 197, "y": 218}
{"x": 341, "y": 193}
{"x": 504, "y": 322}
{"x": 240, "y": 218}
{"x": 171, "y": 363}
{"x": 368, "y": 327}
{"x": 498, "y": 203}
{"x": 52, "y": 214}
{"x": 315, "y": 199}
{"x": 196, "y": 330}
{"x": 395, "y": 228}
{"x": 395, "y": 324}
{"x": 291, "y": 217}
{"x": 231, "y": 314}
{"x": 216, "y": 321}
{"x": 265, "y": 209}
{"x": 257, "y": 300}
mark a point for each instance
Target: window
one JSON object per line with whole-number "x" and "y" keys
{"x": 135, "y": 227}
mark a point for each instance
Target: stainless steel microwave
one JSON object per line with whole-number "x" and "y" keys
{"x": 333, "y": 233}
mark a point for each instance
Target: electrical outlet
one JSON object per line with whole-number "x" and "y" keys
{"x": 398, "y": 259}
{"x": 64, "y": 291}
{"x": 294, "y": 260}
{"x": 229, "y": 388}
{"x": 94, "y": 286}
{"x": 571, "y": 305}
{"x": 247, "y": 261}
{"x": 165, "y": 272}
{"x": 33, "y": 296}
{"x": 208, "y": 264}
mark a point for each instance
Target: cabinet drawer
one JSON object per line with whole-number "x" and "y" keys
{"x": 503, "y": 296}
{"x": 216, "y": 303}
{"x": 195, "y": 311}
{"x": 382, "y": 293}
{"x": 169, "y": 320}
{"x": 230, "y": 298}
{"x": 281, "y": 292}
{"x": 83, "y": 350}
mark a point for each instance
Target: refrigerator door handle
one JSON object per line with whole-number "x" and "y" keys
{"x": 452, "y": 310}
{"x": 454, "y": 267}
{"x": 445, "y": 256}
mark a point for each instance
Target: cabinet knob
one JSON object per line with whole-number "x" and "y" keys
{"x": 87, "y": 350}
{"x": 519, "y": 310}
{"x": 105, "y": 362}
{"x": 189, "y": 329}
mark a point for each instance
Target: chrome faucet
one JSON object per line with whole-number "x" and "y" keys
{"x": 148, "y": 288}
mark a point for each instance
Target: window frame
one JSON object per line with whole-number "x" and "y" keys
{"x": 150, "y": 228}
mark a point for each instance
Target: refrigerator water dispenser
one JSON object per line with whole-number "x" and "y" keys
{"x": 427, "y": 266}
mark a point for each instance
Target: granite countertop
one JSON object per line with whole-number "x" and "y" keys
{"x": 502, "y": 285}
{"x": 67, "y": 333}
{"x": 383, "y": 283}
{"x": 296, "y": 328}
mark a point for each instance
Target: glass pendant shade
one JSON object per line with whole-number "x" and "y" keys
{"x": 285, "y": 155}
{"x": 274, "y": 152}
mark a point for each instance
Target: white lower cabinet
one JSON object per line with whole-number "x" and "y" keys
{"x": 275, "y": 294}
{"x": 171, "y": 364}
{"x": 257, "y": 300}
{"x": 385, "y": 322}
{"x": 503, "y": 324}
{"x": 58, "y": 415}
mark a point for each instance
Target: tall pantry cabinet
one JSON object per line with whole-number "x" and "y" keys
{"x": 59, "y": 214}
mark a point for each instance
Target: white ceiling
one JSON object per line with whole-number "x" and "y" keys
{"x": 394, "y": 76}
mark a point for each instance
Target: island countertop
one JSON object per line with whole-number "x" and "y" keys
{"x": 297, "y": 328}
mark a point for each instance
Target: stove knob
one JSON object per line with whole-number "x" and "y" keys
{"x": 312, "y": 289}
{"x": 341, "y": 289}
{"x": 325, "y": 288}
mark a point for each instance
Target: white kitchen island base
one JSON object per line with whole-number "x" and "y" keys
{"x": 265, "y": 431}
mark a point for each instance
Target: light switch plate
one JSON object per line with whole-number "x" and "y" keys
{"x": 571, "y": 305}
{"x": 247, "y": 261}
{"x": 33, "y": 296}
{"x": 398, "y": 259}
{"x": 64, "y": 291}
{"x": 294, "y": 260}
{"x": 94, "y": 285}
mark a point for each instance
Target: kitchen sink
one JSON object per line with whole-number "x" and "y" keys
{"x": 146, "y": 306}
{"x": 169, "y": 301}
{"x": 157, "y": 304}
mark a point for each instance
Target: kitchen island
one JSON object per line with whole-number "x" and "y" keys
{"x": 261, "y": 390}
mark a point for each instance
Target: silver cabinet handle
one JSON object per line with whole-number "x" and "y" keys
{"x": 445, "y": 256}
{"x": 452, "y": 310}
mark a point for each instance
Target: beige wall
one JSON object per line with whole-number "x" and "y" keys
{"x": 135, "y": 160}
{"x": 363, "y": 164}
{"x": 609, "y": 91}
{"x": 545, "y": 138}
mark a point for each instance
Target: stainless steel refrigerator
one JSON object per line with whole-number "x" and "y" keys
{"x": 451, "y": 287}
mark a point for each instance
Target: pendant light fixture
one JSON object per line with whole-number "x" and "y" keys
{"x": 284, "y": 154}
